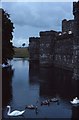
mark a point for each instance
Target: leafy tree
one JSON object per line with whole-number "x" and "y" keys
{"x": 23, "y": 44}
{"x": 7, "y": 29}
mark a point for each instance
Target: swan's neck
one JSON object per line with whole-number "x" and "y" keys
{"x": 9, "y": 111}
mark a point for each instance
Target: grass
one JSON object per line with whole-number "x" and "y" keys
{"x": 21, "y": 52}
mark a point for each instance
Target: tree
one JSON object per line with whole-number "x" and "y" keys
{"x": 23, "y": 44}
{"x": 7, "y": 29}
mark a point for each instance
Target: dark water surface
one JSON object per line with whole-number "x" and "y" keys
{"x": 26, "y": 83}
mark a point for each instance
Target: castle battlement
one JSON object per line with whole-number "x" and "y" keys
{"x": 57, "y": 48}
{"x": 75, "y": 7}
{"x": 64, "y": 35}
{"x": 48, "y": 33}
{"x": 31, "y": 39}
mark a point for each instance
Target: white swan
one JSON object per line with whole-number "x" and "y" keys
{"x": 75, "y": 101}
{"x": 14, "y": 113}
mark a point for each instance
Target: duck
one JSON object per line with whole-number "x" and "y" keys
{"x": 46, "y": 102}
{"x": 31, "y": 107}
{"x": 54, "y": 100}
{"x": 15, "y": 112}
{"x": 75, "y": 101}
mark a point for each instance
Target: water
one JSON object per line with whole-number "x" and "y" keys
{"x": 26, "y": 83}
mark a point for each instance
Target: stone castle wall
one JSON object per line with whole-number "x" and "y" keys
{"x": 34, "y": 48}
{"x": 47, "y": 40}
{"x": 56, "y": 48}
{"x": 63, "y": 52}
{"x": 59, "y": 48}
{"x": 67, "y": 25}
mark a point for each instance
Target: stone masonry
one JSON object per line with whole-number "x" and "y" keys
{"x": 59, "y": 48}
{"x": 34, "y": 48}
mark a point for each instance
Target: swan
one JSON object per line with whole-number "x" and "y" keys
{"x": 75, "y": 101}
{"x": 14, "y": 113}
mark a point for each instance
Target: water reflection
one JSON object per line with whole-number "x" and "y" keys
{"x": 29, "y": 83}
{"x": 33, "y": 73}
{"x": 56, "y": 81}
{"x": 7, "y": 74}
{"x": 75, "y": 112}
{"x": 52, "y": 83}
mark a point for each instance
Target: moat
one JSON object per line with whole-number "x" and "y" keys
{"x": 26, "y": 83}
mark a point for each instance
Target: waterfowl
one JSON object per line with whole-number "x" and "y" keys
{"x": 14, "y": 113}
{"x": 46, "y": 102}
{"x": 54, "y": 100}
{"x": 75, "y": 101}
{"x": 31, "y": 107}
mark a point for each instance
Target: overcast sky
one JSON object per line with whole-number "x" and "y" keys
{"x": 30, "y": 18}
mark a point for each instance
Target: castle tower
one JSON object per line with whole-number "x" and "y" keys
{"x": 76, "y": 16}
{"x": 34, "y": 48}
{"x": 76, "y": 39}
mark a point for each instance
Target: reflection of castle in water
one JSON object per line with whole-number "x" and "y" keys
{"x": 33, "y": 72}
{"x": 53, "y": 81}
{"x": 7, "y": 74}
{"x": 75, "y": 113}
{"x": 58, "y": 82}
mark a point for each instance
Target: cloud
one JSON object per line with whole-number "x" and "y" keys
{"x": 38, "y": 0}
{"x": 30, "y": 18}
{"x": 19, "y": 41}
{"x": 38, "y": 14}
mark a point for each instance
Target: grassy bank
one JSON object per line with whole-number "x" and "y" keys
{"x": 21, "y": 53}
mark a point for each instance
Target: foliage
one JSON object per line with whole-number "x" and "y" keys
{"x": 7, "y": 29}
{"x": 23, "y": 44}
